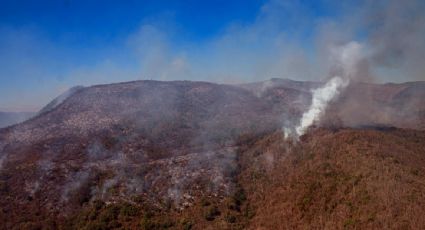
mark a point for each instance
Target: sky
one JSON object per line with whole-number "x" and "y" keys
{"x": 46, "y": 47}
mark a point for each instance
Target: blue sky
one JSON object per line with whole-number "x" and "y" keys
{"x": 48, "y": 46}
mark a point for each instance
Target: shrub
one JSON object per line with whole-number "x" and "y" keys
{"x": 166, "y": 223}
{"x": 239, "y": 196}
{"x": 98, "y": 204}
{"x": 205, "y": 202}
{"x": 147, "y": 224}
{"x": 211, "y": 213}
{"x": 82, "y": 195}
{"x": 230, "y": 204}
{"x": 236, "y": 200}
{"x": 167, "y": 204}
{"x": 230, "y": 218}
{"x": 414, "y": 172}
{"x": 350, "y": 223}
{"x": 96, "y": 226}
{"x": 249, "y": 212}
{"x": 186, "y": 224}
{"x": 3, "y": 187}
{"x": 109, "y": 142}
{"x": 109, "y": 214}
{"x": 129, "y": 210}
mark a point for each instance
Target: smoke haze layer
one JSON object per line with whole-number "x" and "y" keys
{"x": 284, "y": 39}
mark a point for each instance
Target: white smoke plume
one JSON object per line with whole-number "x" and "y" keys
{"x": 346, "y": 62}
{"x": 321, "y": 97}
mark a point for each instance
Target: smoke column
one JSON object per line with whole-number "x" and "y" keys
{"x": 346, "y": 59}
{"x": 321, "y": 98}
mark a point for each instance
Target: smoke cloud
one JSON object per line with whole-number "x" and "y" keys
{"x": 397, "y": 38}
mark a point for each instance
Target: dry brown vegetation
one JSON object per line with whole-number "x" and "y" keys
{"x": 196, "y": 155}
{"x": 339, "y": 179}
{"x": 345, "y": 179}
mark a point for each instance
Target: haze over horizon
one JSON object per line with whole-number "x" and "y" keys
{"x": 46, "y": 47}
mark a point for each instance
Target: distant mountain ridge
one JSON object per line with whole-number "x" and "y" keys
{"x": 11, "y": 118}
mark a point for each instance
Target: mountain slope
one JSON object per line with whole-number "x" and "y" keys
{"x": 167, "y": 149}
{"x": 400, "y": 105}
{"x": 115, "y": 142}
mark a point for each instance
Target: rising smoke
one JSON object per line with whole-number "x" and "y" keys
{"x": 346, "y": 60}
{"x": 321, "y": 97}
